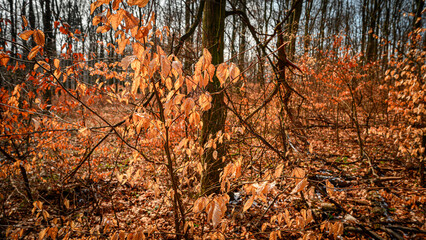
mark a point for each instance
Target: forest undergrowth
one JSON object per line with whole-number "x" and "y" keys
{"x": 324, "y": 190}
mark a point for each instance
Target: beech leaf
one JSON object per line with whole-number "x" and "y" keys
{"x": 207, "y": 58}
{"x": 25, "y": 35}
{"x": 248, "y": 204}
{"x": 25, "y": 21}
{"x": 33, "y": 52}
{"x": 139, "y": 3}
{"x": 4, "y": 59}
{"x": 39, "y": 38}
{"x": 42, "y": 233}
{"x": 217, "y": 214}
{"x": 300, "y": 186}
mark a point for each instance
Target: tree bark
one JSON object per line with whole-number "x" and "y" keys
{"x": 242, "y": 47}
{"x": 307, "y": 34}
{"x": 293, "y": 26}
{"x": 50, "y": 46}
{"x": 324, "y": 5}
{"x": 214, "y": 118}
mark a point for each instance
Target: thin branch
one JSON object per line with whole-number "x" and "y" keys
{"x": 191, "y": 30}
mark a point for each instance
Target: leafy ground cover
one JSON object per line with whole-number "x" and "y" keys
{"x": 324, "y": 191}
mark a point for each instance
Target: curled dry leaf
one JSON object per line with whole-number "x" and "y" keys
{"x": 329, "y": 188}
{"x": 207, "y": 59}
{"x": 217, "y": 214}
{"x": 56, "y": 63}
{"x": 337, "y": 229}
{"x": 222, "y": 73}
{"x": 25, "y": 21}
{"x": 116, "y": 19}
{"x": 187, "y": 106}
{"x": 116, "y": 4}
{"x": 248, "y": 204}
{"x": 205, "y": 101}
{"x": 199, "y": 205}
{"x": 130, "y": 20}
{"x": 234, "y": 72}
{"x": 279, "y": 171}
{"x": 25, "y": 35}
{"x": 103, "y": 29}
{"x": 126, "y": 61}
{"x": 298, "y": 173}
{"x": 34, "y": 52}
{"x": 42, "y": 233}
{"x": 300, "y": 186}
{"x": 139, "y": 3}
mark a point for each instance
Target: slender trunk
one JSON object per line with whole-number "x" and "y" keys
{"x": 324, "y": 5}
{"x": 364, "y": 20}
{"x": 307, "y": 21}
{"x": 242, "y": 48}
{"x": 178, "y": 208}
{"x": 293, "y": 26}
{"x": 13, "y": 25}
{"x": 214, "y": 118}
{"x": 50, "y": 45}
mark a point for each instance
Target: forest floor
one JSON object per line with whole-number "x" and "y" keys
{"x": 377, "y": 197}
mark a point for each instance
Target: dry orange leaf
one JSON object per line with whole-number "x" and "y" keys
{"x": 122, "y": 45}
{"x": 279, "y": 171}
{"x": 205, "y": 101}
{"x": 139, "y": 3}
{"x": 42, "y": 233}
{"x": 130, "y": 20}
{"x": 97, "y": 4}
{"x": 39, "y": 38}
{"x": 217, "y": 214}
{"x": 56, "y": 63}
{"x": 207, "y": 58}
{"x": 4, "y": 59}
{"x": 248, "y": 204}
{"x": 234, "y": 72}
{"x": 300, "y": 186}
{"x": 103, "y": 29}
{"x": 222, "y": 73}
{"x": 34, "y": 52}
{"x": 116, "y": 4}
{"x": 96, "y": 20}
{"x": 25, "y": 21}
{"x": 116, "y": 19}
{"x": 25, "y": 35}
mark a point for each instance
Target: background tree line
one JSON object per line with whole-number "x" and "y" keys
{"x": 375, "y": 28}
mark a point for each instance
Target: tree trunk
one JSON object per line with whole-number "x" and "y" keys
{"x": 307, "y": 34}
{"x": 13, "y": 26}
{"x": 214, "y": 118}
{"x": 293, "y": 26}
{"x": 242, "y": 47}
{"x": 372, "y": 41}
{"x": 324, "y": 5}
{"x": 50, "y": 46}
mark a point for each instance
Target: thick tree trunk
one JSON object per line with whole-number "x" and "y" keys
{"x": 372, "y": 41}
{"x": 214, "y": 118}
